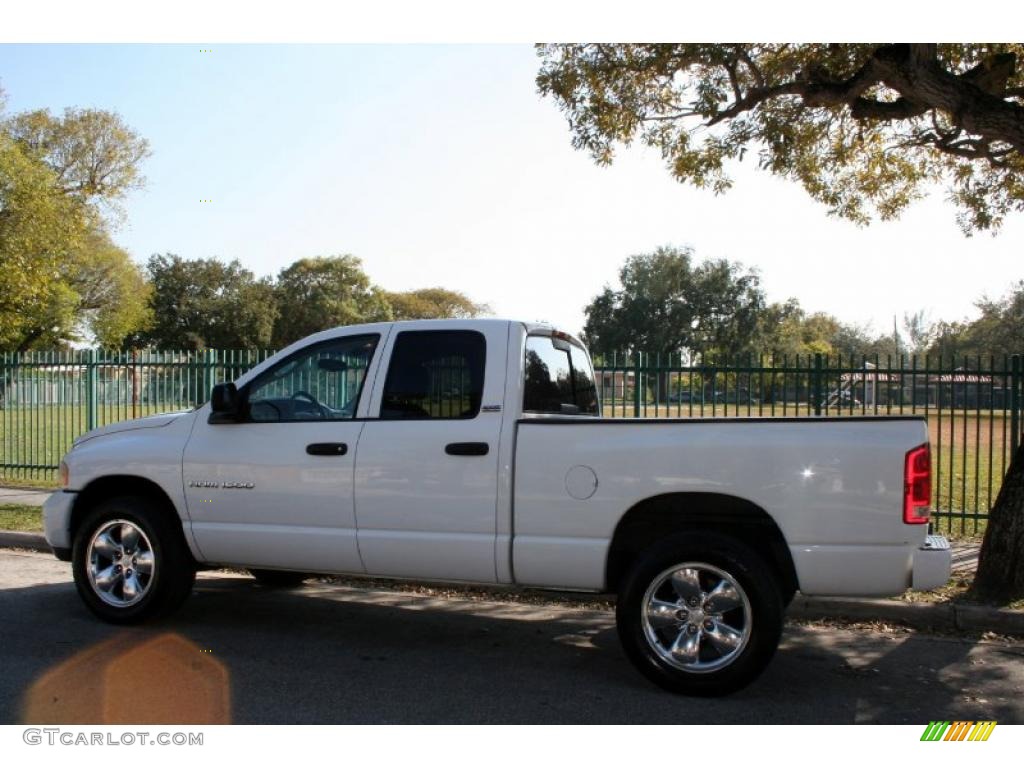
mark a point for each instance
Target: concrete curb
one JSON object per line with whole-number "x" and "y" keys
{"x": 981, "y": 619}
{"x": 24, "y": 540}
{"x": 941, "y": 616}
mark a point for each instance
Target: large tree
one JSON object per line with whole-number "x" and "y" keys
{"x": 61, "y": 182}
{"x": 113, "y": 295}
{"x": 998, "y": 330}
{"x": 38, "y": 231}
{"x": 100, "y": 295}
{"x": 864, "y": 128}
{"x": 206, "y": 303}
{"x": 785, "y": 331}
{"x": 432, "y": 303}
{"x": 1000, "y": 327}
{"x": 94, "y": 154}
{"x": 319, "y": 293}
{"x": 668, "y": 303}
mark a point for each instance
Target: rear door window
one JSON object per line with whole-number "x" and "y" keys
{"x": 435, "y": 375}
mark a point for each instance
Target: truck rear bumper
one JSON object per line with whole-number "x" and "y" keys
{"x": 865, "y": 570}
{"x": 933, "y": 563}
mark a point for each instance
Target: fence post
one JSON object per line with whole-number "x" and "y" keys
{"x": 135, "y": 377}
{"x": 816, "y": 384}
{"x": 209, "y": 375}
{"x": 5, "y": 371}
{"x": 91, "y": 388}
{"x": 1014, "y": 404}
{"x": 636, "y": 385}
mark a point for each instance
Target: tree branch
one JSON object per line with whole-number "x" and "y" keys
{"x": 975, "y": 101}
{"x": 754, "y": 70}
{"x": 754, "y": 97}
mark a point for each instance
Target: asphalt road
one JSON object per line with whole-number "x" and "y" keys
{"x": 240, "y": 653}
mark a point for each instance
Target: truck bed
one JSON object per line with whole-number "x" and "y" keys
{"x": 833, "y": 486}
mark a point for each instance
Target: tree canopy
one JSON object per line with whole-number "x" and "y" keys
{"x": 668, "y": 303}
{"x": 998, "y": 330}
{"x": 322, "y": 292}
{"x": 93, "y": 153}
{"x": 430, "y": 303}
{"x": 206, "y": 303}
{"x": 864, "y": 128}
{"x": 62, "y": 278}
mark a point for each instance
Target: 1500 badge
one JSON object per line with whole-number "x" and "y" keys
{"x": 214, "y": 484}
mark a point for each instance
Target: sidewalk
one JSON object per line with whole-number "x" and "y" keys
{"x": 23, "y": 496}
{"x": 934, "y": 616}
{"x": 965, "y": 555}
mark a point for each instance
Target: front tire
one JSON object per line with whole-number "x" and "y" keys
{"x": 130, "y": 561}
{"x": 700, "y": 614}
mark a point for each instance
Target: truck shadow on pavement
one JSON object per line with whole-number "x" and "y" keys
{"x": 238, "y": 652}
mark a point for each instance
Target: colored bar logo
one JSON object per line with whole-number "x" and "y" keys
{"x": 959, "y": 730}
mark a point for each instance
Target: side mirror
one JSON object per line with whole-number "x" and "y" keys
{"x": 224, "y": 403}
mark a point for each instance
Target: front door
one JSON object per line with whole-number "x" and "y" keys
{"x": 427, "y": 469}
{"x": 275, "y": 490}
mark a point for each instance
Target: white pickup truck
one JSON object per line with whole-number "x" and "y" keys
{"x": 475, "y": 451}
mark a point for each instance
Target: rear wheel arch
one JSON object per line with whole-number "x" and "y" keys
{"x": 658, "y": 517}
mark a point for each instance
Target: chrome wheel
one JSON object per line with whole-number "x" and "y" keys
{"x": 120, "y": 563}
{"x": 696, "y": 617}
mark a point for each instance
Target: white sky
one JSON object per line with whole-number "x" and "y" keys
{"x": 440, "y": 165}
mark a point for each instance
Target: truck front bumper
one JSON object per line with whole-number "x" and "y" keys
{"x": 933, "y": 563}
{"x": 57, "y": 522}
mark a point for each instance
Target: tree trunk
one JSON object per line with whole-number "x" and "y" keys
{"x": 1000, "y": 576}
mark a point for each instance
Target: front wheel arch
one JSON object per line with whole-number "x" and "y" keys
{"x": 112, "y": 486}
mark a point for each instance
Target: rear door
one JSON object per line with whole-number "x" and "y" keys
{"x": 427, "y": 468}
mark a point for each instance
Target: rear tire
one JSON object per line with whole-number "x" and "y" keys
{"x": 278, "y": 579}
{"x": 130, "y": 560}
{"x": 700, "y": 614}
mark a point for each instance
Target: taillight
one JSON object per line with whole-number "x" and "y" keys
{"x": 917, "y": 485}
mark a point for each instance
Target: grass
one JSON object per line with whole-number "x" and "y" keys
{"x": 35, "y": 439}
{"x": 20, "y": 517}
{"x": 960, "y": 529}
{"x": 29, "y": 483}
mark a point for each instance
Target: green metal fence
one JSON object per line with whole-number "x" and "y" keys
{"x": 972, "y": 405}
{"x": 49, "y": 398}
